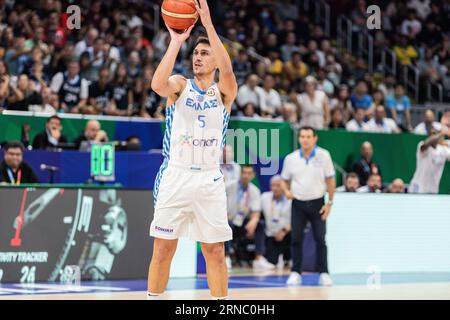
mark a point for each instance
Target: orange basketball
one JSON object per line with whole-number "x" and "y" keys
{"x": 179, "y": 14}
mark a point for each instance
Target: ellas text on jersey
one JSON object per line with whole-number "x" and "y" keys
{"x": 201, "y": 105}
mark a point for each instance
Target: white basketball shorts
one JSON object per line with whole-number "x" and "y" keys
{"x": 190, "y": 202}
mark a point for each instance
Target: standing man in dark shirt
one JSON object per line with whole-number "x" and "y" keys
{"x": 13, "y": 170}
{"x": 364, "y": 167}
{"x": 51, "y": 137}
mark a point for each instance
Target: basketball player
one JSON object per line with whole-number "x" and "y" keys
{"x": 189, "y": 189}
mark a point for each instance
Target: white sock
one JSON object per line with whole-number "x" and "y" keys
{"x": 154, "y": 296}
{"x": 219, "y": 298}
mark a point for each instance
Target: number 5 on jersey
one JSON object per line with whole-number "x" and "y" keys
{"x": 201, "y": 120}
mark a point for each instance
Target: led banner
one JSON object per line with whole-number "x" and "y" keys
{"x": 48, "y": 234}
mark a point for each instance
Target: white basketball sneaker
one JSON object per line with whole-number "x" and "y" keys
{"x": 325, "y": 280}
{"x": 295, "y": 279}
{"x": 262, "y": 264}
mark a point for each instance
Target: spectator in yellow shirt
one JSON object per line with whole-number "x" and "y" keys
{"x": 296, "y": 69}
{"x": 276, "y": 65}
{"x": 405, "y": 52}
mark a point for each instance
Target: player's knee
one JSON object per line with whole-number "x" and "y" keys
{"x": 214, "y": 252}
{"x": 163, "y": 253}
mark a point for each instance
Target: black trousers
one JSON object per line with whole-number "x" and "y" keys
{"x": 302, "y": 212}
{"x": 275, "y": 248}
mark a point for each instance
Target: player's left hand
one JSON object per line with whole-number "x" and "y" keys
{"x": 325, "y": 211}
{"x": 203, "y": 12}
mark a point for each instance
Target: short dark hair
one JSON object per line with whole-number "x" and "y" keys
{"x": 54, "y": 117}
{"x": 307, "y": 128}
{"x": 14, "y": 145}
{"x": 248, "y": 166}
{"x": 351, "y": 175}
{"x": 200, "y": 40}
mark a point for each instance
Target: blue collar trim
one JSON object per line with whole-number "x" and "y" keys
{"x": 197, "y": 88}
{"x": 312, "y": 155}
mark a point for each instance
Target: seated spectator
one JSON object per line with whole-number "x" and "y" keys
{"x": 92, "y": 133}
{"x": 151, "y": 104}
{"x": 51, "y": 137}
{"x": 13, "y": 169}
{"x": 250, "y": 92}
{"x": 396, "y": 186}
{"x": 387, "y": 85}
{"x": 364, "y": 167}
{"x": 428, "y": 124}
{"x": 351, "y": 183}
{"x": 244, "y": 213}
{"x": 133, "y": 143}
{"x": 295, "y": 69}
{"x": 270, "y": 98}
{"x": 380, "y": 124}
{"x": 249, "y": 111}
{"x": 374, "y": 184}
{"x": 313, "y": 105}
{"x": 276, "y": 209}
{"x": 342, "y": 101}
{"x": 241, "y": 67}
{"x": 276, "y": 66}
{"x": 336, "y": 120}
{"x": 378, "y": 100}
{"x": 405, "y": 52}
{"x": 411, "y": 26}
{"x": 96, "y": 59}
{"x": 429, "y": 68}
{"x": 122, "y": 95}
{"x": 22, "y": 95}
{"x": 71, "y": 88}
{"x": 230, "y": 169}
{"x": 399, "y": 106}
{"x": 323, "y": 83}
{"x": 50, "y": 102}
{"x": 289, "y": 47}
{"x": 357, "y": 123}
{"x": 360, "y": 99}
{"x": 101, "y": 99}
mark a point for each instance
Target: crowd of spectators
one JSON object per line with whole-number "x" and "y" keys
{"x": 107, "y": 65}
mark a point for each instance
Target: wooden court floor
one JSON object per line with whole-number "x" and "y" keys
{"x": 252, "y": 286}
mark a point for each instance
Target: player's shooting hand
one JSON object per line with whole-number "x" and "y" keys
{"x": 180, "y": 37}
{"x": 203, "y": 12}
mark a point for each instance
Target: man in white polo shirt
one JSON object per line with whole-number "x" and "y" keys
{"x": 277, "y": 216}
{"x": 244, "y": 213}
{"x": 431, "y": 157}
{"x": 308, "y": 174}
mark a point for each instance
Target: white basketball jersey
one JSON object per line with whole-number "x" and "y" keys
{"x": 196, "y": 126}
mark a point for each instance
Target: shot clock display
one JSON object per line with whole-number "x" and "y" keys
{"x": 44, "y": 232}
{"x": 103, "y": 161}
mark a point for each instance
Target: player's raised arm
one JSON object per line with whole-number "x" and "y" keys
{"x": 227, "y": 81}
{"x": 163, "y": 83}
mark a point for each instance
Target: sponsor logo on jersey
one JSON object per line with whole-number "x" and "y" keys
{"x": 211, "y": 92}
{"x": 203, "y": 105}
{"x": 186, "y": 139}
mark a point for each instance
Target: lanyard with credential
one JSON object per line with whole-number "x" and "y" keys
{"x": 276, "y": 208}
{"x": 11, "y": 176}
{"x": 243, "y": 198}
